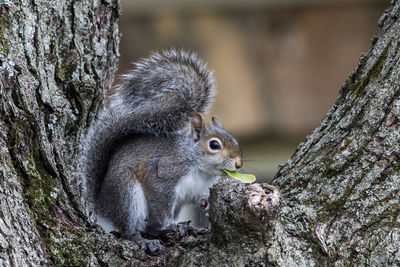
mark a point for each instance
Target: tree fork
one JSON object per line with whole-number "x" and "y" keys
{"x": 340, "y": 190}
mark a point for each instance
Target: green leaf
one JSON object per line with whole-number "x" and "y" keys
{"x": 245, "y": 178}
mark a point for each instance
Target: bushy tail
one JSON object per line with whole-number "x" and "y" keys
{"x": 158, "y": 97}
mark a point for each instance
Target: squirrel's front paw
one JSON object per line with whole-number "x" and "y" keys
{"x": 204, "y": 206}
{"x": 151, "y": 246}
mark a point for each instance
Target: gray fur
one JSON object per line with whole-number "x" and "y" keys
{"x": 159, "y": 97}
{"x": 166, "y": 159}
{"x": 137, "y": 154}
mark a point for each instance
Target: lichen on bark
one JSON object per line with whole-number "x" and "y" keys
{"x": 43, "y": 116}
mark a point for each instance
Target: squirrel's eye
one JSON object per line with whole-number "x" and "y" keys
{"x": 215, "y": 145}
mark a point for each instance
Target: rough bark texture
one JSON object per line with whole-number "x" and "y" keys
{"x": 340, "y": 189}
{"x": 342, "y": 186}
{"x": 57, "y": 59}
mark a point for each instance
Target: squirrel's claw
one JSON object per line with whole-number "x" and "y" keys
{"x": 151, "y": 246}
{"x": 181, "y": 228}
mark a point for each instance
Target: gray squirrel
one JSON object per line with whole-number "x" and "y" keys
{"x": 150, "y": 151}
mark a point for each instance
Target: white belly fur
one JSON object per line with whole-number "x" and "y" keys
{"x": 193, "y": 186}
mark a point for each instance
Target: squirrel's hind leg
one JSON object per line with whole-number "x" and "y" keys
{"x": 137, "y": 219}
{"x": 137, "y": 209}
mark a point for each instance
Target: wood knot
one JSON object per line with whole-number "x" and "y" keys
{"x": 262, "y": 201}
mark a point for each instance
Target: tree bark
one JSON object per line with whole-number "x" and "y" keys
{"x": 57, "y": 59}
{"x": 340, "y": 190}
{"x": 342, "y": 185}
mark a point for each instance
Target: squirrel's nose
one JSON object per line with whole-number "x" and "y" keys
{"x": 238, "y": 163}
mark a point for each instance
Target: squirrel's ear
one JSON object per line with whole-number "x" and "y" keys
{"x": 197, "y": 126}
{"x": 216, "y": 122}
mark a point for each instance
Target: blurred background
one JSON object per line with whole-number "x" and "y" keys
{"x": 279, "y": 64}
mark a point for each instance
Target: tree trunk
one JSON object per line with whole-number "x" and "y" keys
{"x": 340, "y": 190}
{"x": 57, "y": 59}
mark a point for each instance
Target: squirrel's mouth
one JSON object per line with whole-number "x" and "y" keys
{"x": 233, "y": 169}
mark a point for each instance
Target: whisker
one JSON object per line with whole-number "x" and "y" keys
{"x": 253, "y": 157}
{"x": 253, "y": 160}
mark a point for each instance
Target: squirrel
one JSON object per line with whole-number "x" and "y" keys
{"x": 150, "y": 150}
